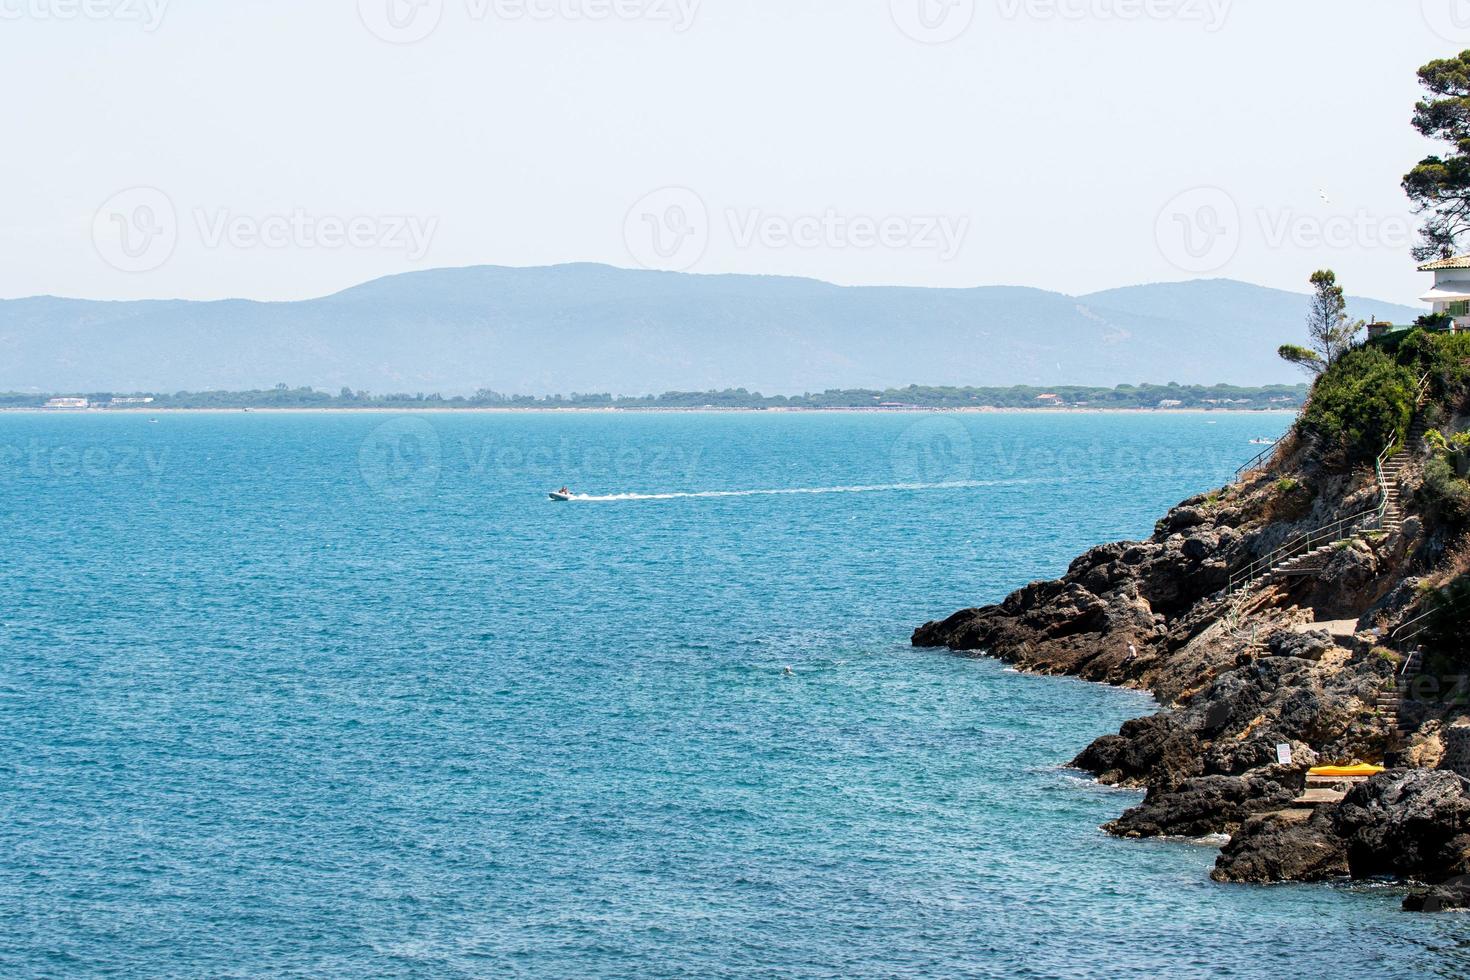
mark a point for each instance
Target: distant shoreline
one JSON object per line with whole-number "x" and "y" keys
{"x": 409, "y": 410}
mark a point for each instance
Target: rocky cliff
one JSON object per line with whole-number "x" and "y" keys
{"x": 1301, "y": 658}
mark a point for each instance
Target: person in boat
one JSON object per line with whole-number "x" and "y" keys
{"x": 565, "y": 492}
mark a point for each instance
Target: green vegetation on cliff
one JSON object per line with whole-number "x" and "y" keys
{"x": 1361, "y": 403}
{"x": 1366, "y": 399}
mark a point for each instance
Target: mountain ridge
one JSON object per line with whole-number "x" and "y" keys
{"x": 591, "y": 327}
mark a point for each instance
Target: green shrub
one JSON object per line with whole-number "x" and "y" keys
{"x": 1359, "y": 405}
{"x": 1447, "y": 635}
{"x": 1388, "y": 656}
{"x": 1445, "y": 357}
{"x": 1454, "y": 449}
{"x": 1445, "y": 493}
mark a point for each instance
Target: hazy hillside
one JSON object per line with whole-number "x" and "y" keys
{"x": 595, "y": 328}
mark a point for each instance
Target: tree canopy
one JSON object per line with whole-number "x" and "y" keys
{"x": 1439, "y": 186}
{"x": 1331, "y": 332}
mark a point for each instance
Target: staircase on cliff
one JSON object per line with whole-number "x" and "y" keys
{"x": 1308, "y": 553}
{"x": 1391, "y": 701}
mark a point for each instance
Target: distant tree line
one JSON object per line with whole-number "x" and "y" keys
{"x": 1141, "y": 396}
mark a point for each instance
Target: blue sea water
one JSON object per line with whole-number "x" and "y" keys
{"x": 344, "y": 695}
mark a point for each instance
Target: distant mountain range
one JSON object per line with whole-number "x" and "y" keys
{"x": 593, "y": 328}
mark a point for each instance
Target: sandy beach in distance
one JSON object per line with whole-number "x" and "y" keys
{"x": 650, "y": 411}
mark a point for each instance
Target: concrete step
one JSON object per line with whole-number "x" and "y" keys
{"x": 1319, "y": 796}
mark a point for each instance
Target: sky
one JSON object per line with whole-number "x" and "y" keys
{"x": 281, "y": 149}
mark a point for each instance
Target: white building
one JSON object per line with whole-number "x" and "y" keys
{"x": 68, "y": 403}
{"x": 1451, "y": 292}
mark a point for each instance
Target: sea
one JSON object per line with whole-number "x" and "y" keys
{"x": 343, "y": 695}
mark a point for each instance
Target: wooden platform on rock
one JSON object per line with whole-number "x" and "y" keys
{"x": 1319, "y": 796}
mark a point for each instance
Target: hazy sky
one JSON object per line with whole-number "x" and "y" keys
{"x": 285, "y": 148}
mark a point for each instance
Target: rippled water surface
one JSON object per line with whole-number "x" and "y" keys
{"x": 348, "y": 695}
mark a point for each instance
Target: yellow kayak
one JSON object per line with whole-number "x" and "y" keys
{"x": 1345, "y": 772}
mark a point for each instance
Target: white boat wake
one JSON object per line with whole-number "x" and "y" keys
{"x": 882, "y": 488}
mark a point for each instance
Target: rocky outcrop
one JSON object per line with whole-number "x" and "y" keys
{"x": 1407, "y": 823}
{"x": 1240, "y": 677}
{"x": 1454, "y": 894}
{"x": 1153, "y": 750}
{"x": 1412, "y": 824}
{"x": 1286, "y": 845}
{"x": 1200, "y": 807}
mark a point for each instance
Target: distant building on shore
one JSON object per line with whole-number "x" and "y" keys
{"x": 1449, "y": 298}
{"x": 72, "y": 403}
{"x": 1451, "y": 293}
{"x": 131, "y": 401}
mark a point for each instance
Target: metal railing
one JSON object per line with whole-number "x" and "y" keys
{"x": 1338, "y": 530}
{"x": 1408, "y": 632}
{"x": 1404, "y": 634}
{"x": 1259, "y": 461}
{"x": 1317, "y": 537}
{"x": 1410, "y": 666}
